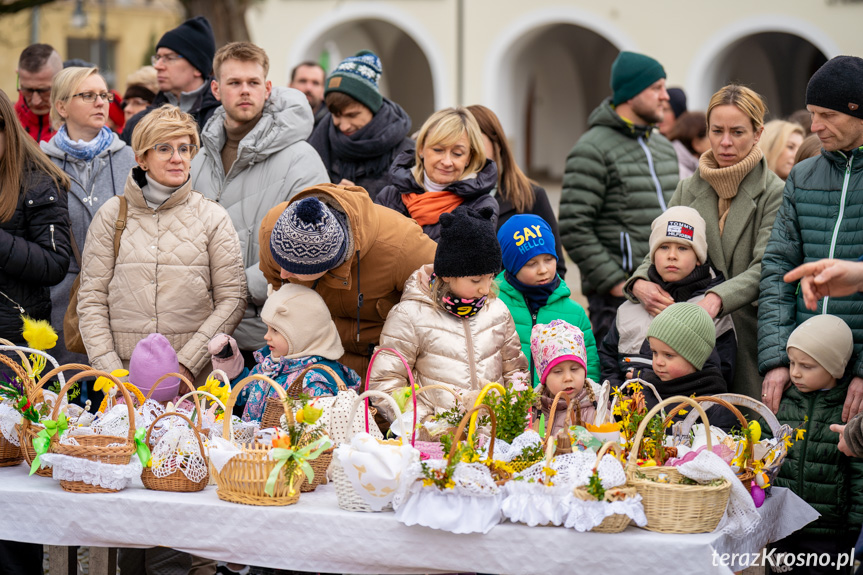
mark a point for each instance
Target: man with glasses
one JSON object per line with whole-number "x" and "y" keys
{"x": 37, "y": 66}
{"x": 183, "y": 63}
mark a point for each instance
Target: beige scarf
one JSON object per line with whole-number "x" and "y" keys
{"x": 726, "y": 181}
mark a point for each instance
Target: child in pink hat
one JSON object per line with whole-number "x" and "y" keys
{"x": 152, "y": 358}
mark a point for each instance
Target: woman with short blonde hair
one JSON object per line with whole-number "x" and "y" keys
{"x": 449, "y": 168}
{"x": 780, "y": 143}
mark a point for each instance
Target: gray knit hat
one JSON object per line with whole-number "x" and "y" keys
{"x": 358, "y": 76}
{"x": 308, "y": 238}
{"x": 826, "y": 339}
{"x": 687, "y": 329}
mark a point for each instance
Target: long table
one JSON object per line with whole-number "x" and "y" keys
{"x": 315, "y": 535}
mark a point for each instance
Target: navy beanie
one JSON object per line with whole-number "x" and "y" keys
{"x": 194, "y": 41}
{"x": 677, "y": 101}
{"x": 523, "y": 237}
{"x": 308, "y": 238}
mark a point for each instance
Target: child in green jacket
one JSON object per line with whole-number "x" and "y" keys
{"x": 532, "y": 290}
{"x": 818, "y": 353}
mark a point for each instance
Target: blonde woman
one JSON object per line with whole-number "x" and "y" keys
{"x": 738, "y": 197}
{"x": 780, "y": 144}
{"x": 179, "y": 270}
{"x": 97, "y": 163}
{"x": 448, "y": 169}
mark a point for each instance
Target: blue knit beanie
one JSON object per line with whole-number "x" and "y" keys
{"x": 522, "y": 237}
{"x": 308, "y": 238}
{"x": 358, "y": 76}
{"x": 631, "y": 74}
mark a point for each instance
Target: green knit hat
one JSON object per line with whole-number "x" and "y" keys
{"x": 687, "y": 329}
{"x": 631, "y": 74}
{"x": 358, "y": 76}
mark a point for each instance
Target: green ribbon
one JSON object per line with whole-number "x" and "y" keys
{"x": 43, "y": 438}
{"x": 302, "y": 456}
{"x": 141, "y": 446}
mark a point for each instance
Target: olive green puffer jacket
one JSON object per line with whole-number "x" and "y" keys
{"x": 821, "y": 217}
{"x": 619, "y": 178}
{"x": 814, "y": 469}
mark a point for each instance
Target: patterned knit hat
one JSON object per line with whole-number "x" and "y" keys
{"x": 522, "y": 237}
{"x": 826, "y": 339}
{"x": 358, "y": 76}
{"x": 838, "y": 85}
{"x": 682, "y": 225}
{"x": 308, "y": 238}
{"x": 152, "y": 358}
{"x": 554, "y": 343}
{"x": 468, "y": 245}
{"x": 687, "y": 329}
{"x": 631, "y": 74}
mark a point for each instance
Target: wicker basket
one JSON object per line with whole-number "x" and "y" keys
{"x": 470, "y": 419}
{"x": 672, "y": 507}
{"x": 243, "y": 479}
{"x": 617, "y": 522}
{"x": 745, "y": 476}
{"x": 11, "y": 454}
{"x": 273, "y": 406}
{"x": 177, "y": 481}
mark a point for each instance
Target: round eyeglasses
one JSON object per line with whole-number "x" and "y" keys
{"x": 166, "y": 151}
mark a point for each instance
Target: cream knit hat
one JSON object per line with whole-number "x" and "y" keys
{"x": 303, "y": 319}
{"x": 826, "y": 339}
{"x": 682, "y": 225}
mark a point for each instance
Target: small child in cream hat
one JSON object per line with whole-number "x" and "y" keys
{"x": 300, "y": 333}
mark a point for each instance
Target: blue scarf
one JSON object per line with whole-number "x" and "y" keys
{"x": 535, "y": 296}
{"x": 82, "y": 150}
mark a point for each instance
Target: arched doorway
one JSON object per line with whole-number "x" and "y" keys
{"x": 549, "y": 80}
{"x": 407, "y": 76}
{"x": 777, "y": 65}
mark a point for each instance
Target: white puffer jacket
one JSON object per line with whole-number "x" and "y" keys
{"x": 463, "y": 353}
{"x": 179, "y": 272}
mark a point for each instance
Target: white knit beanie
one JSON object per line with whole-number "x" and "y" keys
{"x": 826, "y": 339}
{"x": 682, "y": 225}
{"x": 300, "y": 315}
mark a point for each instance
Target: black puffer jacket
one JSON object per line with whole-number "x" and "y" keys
{"x": 34, "y": 253}
{"x": 475, "y": 192}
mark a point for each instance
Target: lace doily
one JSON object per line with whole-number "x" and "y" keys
{"x": 506, "y": 452}
{"x": 243, "y": 431}
{"x": 585, "y": 515}
{"x": 115, "y": 422}
{"x": 572, "y": 469}
{"x": 536, "y": 504}
{"x": 67, "y": 468}
{"x": 741, "y": 518}
{"x": 9, "y": 418}
{"x": 178, "y": 449}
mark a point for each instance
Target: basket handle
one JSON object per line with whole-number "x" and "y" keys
{"x": 363, "y": 397}
{"x": 714, "y": 400}
{"x": 6, "y": 345}
{"x": 227, "y": 426}
{"x": 195, "y": 428}
{"x": 468, "y": 419}
{"x": 182, "y": 378}
{"x": 37, "y": 386}
{"x": 411, "y": 384}
{"x": 95, "y": 372}
{"x": 492, "y": 385}
{"x": 197, "y": 393}
{"x": 606, "y": 447}
{"x": 18, "y": 370}
{"x": 573, "y": 416}
{"x": 296, "y": 387}
{"x": 643, "y": 383}
{"x": 776, "y": 428}
{"x": 642, "y": 427}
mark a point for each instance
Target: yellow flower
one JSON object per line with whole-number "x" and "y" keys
{"x": 214, "y": 386}
{"x": 799, "y": 435}
{"x": 38, "y": 333}
{"x": 683, "y": 412}
{"x": 104, "y": 384}
{"x": 636, "y": 387}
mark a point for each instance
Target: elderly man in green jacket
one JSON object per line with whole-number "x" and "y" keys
{"x": 619, "y": 177}
{"x": 821, "y": 217}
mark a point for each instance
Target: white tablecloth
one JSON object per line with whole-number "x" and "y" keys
{"x": 315, "y": 535}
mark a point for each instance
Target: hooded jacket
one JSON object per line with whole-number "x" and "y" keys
{"x": 273, "y": 163}
{"x": 385, "y": 248}
{"x": 39, "y": 127}
{"x": 475, "y": 192}
{"x": 35, "y": 253}
{"x": 820, "y": 218}
{"x": 461, "y": 353}
{"x": 619, "y": 177}
{"x": 93, "y": 184}
{"x": 178, "y": 272}
{"x": 814, "y": 468}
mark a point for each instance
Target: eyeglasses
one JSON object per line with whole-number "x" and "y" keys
{"x": 28, "y": 92}
{"x": 90, "y": 97}
{"x": 168, "y": 58}
{"x": 166, "y": 151}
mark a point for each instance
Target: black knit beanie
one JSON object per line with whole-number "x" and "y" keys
{"x": 468, "y": 244}
{"x": 677, "y": 101}
{"x": 838, "y": 85}
{"x": 194, "y": 41}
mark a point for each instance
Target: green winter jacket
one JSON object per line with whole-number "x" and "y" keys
{"x": 814, "y": 468}
{"x": 559, "y": 306}
{"x": 821, "y": 217}
{"x": 619, "y": 178}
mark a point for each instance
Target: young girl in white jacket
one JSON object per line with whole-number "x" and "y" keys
{"x": 449, "y": 326}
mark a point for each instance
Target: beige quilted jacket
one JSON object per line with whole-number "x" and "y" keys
{"x": 462, "y": 353}
{"x": 179, "y": 272}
